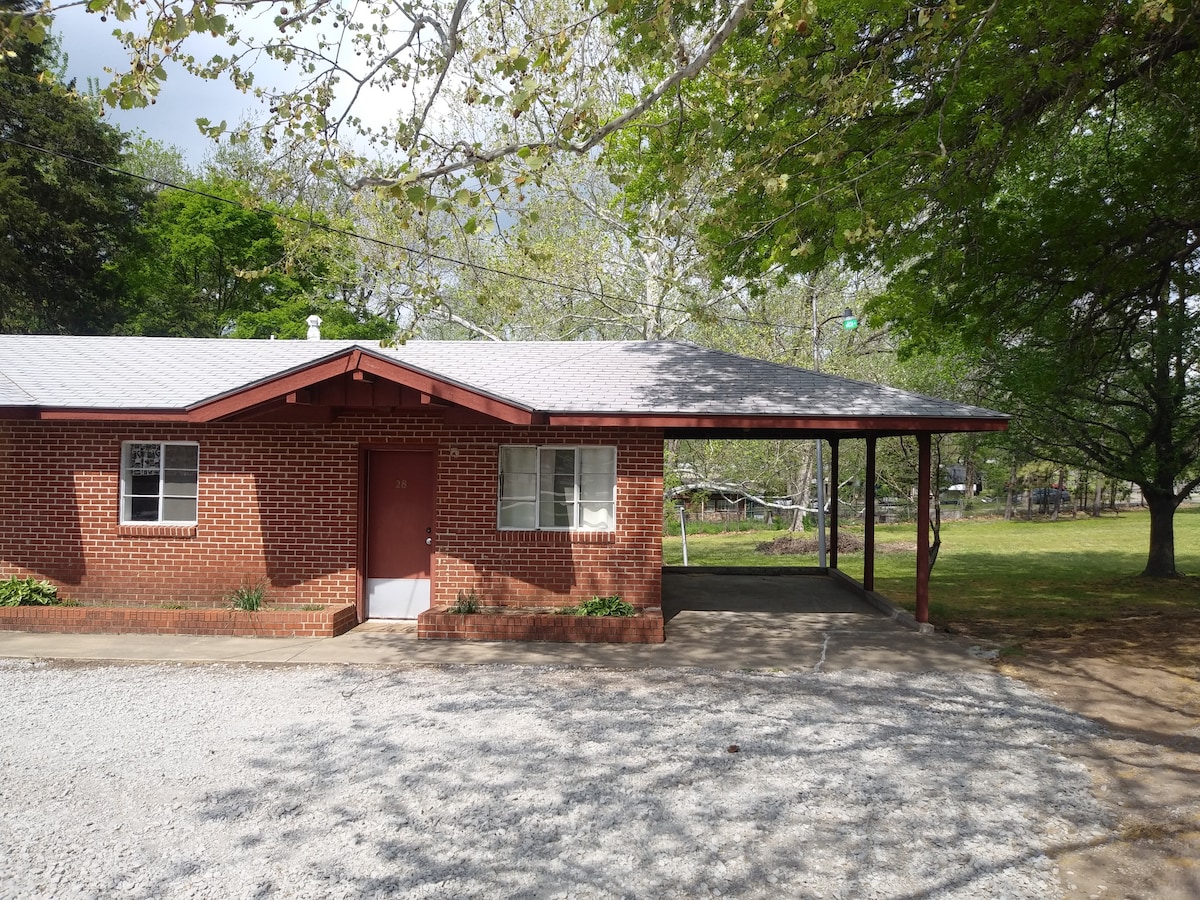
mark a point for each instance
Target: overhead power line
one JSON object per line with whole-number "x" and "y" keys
{"x": 381, "y": 242}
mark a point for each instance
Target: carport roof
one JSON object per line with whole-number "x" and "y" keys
{"x": 672, "y": 385}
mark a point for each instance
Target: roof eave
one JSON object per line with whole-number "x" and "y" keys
{"x": 808, "y": 425}
{"x": 92, "y": 414}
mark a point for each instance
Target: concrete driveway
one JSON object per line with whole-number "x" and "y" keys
{"x": 742, "y": 622}
{"x": 794, "y": 622}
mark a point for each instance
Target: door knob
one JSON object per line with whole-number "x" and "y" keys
{"x": 429, "y": 541}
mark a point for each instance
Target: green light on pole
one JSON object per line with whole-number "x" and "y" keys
{"x": 849, "y": 320}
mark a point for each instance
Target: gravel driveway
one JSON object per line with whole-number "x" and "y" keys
{"x": 230, "y": 782}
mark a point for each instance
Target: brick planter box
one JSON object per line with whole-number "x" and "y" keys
{"x": 530, "y": 625}
{"x": 275, "y": 622}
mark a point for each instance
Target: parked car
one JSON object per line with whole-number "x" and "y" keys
{"x": 1045, "y": 496}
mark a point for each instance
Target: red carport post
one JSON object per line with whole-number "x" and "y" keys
{"x": 869, "y": 520}
{"x": 924, "y": 446}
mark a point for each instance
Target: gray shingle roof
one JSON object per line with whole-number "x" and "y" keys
{"x": 11, "y": 394}
{"x": 663, "y": 377}
{"x": 145, "y": 373}
{"x": 666, "y": 378}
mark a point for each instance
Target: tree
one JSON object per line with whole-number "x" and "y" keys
{"x": 536, "y": 61}
{"x": 216, "y": 262}
{"x": 159, "y": 164}
{"x": 1024, "y": 172}
{"x": 207, "y": 260}
{"x": 62, "y": 221}
{"x": 584, "y": 258}
{"x": 1079, "y": 277}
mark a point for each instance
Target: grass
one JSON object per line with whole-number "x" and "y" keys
{"x": 248, "y": 597}
{"x": 991, "y": 574}
{"x": 466, "y": 604}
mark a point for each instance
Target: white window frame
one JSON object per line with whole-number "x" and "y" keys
{"x": 127, "y": 495}
{"x": 576, "y": 503}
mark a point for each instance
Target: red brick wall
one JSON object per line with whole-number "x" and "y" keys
{"x": 328, "y": 622}
{"x": 280, "y": 503}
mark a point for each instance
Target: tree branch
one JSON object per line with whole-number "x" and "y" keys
{"x": 476, "y": 157}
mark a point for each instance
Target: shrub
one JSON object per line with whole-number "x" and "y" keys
{"x": 249, "y": 598}
{"x": 605, "y": 606}
{"x": 28, "y": 592}
{"x": 465, "y": 604}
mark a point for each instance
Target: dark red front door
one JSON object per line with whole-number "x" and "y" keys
{"x": 400, "y": 488}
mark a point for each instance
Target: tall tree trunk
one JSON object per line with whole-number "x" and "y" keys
{"x": 1098, "y": 498}
{"x": 1161, "y": 561}
{"x": 801, "y": 491}
{"x": 1009, "y": 490}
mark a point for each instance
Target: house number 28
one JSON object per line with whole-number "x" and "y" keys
{"x": 401, "y": 484}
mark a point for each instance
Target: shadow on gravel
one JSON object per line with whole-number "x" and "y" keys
{"x": 1145, "y": 764}
{"x": 510, "y": 782}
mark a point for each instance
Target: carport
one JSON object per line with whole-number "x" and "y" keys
{"x": 840, "y": 410}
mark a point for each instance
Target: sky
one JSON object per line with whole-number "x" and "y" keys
{"x": 90, "y": 47}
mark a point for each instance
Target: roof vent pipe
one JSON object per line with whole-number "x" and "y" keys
{"x": 314, "y": 328}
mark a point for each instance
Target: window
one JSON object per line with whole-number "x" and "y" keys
{"x": 558, "y": 488}
{"x": 159, "y": 482}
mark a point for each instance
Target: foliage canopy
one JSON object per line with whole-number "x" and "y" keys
{"x": 62, "y": 221}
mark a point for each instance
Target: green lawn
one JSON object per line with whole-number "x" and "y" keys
{"x": 993, "y": 574}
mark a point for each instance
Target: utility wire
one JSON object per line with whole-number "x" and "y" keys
{"x": 413, "y": 251}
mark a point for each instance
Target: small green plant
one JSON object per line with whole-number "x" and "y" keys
{"x": 248, "y": 597}
{"x": 171, "y": 606}
{"x": 28, "y": 592}
{"x": 466, "y": 604}
{"x": 605, "y": 606}
{"x": 312, "y": 607}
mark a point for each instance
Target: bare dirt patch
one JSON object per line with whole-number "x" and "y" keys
{"x": 792, "y": 545}
{"x": 897, "y": 547}
{"x": 789, "y": 545}
{"x": 1137, "y": 674}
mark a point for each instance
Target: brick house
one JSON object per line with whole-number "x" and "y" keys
{"x": 149, "y": 470}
